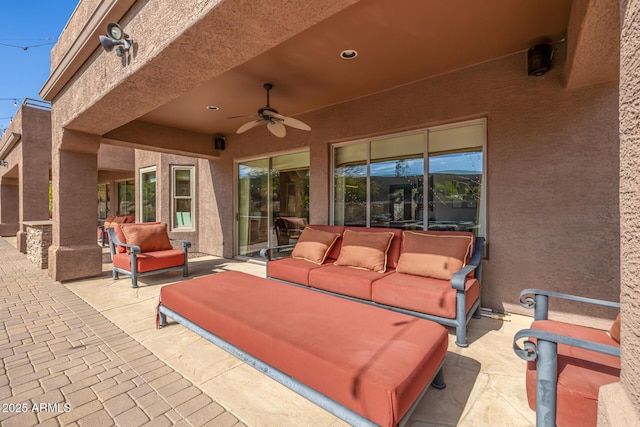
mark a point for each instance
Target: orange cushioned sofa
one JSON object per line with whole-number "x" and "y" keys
{"x": 433, "y": 275}
{"x": 145, "y": 248}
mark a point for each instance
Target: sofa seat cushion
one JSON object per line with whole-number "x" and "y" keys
{"x": 581, "y": 373}
{"x": 292, "y": 270}
{"x": 375, "y": 362}
{"x": 353, "y": 282}
{"x": 422, "y": 294}
{"x": 150, "y": 261}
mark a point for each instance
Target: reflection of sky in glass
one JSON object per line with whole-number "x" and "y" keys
{"x": 411, "y": 167}
{"x": 465, "y": 163}
{"x": 461, "y": 163}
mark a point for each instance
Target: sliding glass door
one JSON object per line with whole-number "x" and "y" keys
{"x": 272, "y": 190}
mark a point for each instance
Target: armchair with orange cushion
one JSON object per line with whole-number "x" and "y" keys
{"x": 103, "y": 236}
{"x": 145, "y": 248}
{"x": 566, "y": 363}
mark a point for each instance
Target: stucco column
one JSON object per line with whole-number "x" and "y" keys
{"x": 74, "y": 253}
{"x": 33, "y": 189}
{"x": 619, "y": 403}
{"x": 9, "y": 215}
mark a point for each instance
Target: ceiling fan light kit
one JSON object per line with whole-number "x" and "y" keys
{"x": 275, "y": 122}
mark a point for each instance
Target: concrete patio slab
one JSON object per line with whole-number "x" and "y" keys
{"x": 189, "y": 376}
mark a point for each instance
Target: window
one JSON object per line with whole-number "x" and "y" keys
{"x": 104, "y": 203}
{"x": 381, "y": 182}
{"x": 125, "y": 194}
{"x": 182, "y": 193}
{"x": 148, "y": 194}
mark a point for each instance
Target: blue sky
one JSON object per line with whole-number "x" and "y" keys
{"x": 27, "y": 23}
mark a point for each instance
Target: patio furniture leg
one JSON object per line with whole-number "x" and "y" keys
{"x": 115, "y": 275}
{"x": 461, "y": 317}
{"x": 163, "y": 319}
{"x": 134, "y": 270}
{"x": 438, "y": 380}
{"x": 546, "y": 383}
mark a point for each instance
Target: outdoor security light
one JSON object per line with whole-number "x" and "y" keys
{"x": 116, "y": 38}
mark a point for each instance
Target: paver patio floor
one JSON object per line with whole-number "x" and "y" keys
{"x": 92, "y": 344}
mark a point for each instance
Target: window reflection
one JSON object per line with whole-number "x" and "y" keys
{"x": 381, "y": 183}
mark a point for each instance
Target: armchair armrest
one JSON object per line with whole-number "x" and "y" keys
{"x": 460, "y": 277}
{"x": 185, "y": 244}
{"x": 114, "y": 241}
{"x": 539, "y": 301}
{"x": 133, "y": 249}
{"x": 267, "y": 253}
{"x": 529, "y": 350}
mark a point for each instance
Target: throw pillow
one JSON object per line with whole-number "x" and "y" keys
{"x": 614, "y": 332}
{"x": 314, "y": 245}
{"x": 366, "y": 250}
{"x": 150, "y": 237}
{"x": 433, "y": 255}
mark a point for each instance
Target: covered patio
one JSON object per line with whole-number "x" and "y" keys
{"x": 557, "y": 203}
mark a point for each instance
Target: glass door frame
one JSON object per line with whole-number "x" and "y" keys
{"x": 236, "y": 190}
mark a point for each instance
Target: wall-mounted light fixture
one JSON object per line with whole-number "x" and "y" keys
{"x": 116, "y": 38}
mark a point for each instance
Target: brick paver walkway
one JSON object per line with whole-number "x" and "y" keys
{"x": 64, "y": 363}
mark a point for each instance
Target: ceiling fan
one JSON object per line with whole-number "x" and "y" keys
{"x": 275, "y": 122}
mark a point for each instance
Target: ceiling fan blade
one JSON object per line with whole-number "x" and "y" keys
{"x": 241, "y": 117}
{"x": 277, "y": 128}
{"x": 295, "y": 123}
{"x": 245, "y": 127}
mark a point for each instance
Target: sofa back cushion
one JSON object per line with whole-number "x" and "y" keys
{"x": 437, "y": 255}
{"x": 149, "y": 236}
{"x": 396, "y": 243}
{"x": 365, "y": 249}
{"x": 335, "y": 250}
{"x": 314, "y": 245}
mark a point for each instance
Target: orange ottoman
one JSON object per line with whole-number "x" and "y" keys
{"x": 374, "y": 362}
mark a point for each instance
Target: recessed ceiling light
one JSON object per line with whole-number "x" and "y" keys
{"x": 212, "y": 108}
{"x": 348, "y": 54}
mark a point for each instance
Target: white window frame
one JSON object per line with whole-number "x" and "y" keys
{"x": 192, "y": 170}
{"x": 141, "y": 172}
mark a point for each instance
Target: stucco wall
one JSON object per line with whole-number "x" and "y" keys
{"x": 630, "y": 198}
{"x": 552, "y": 170}
{"x": 163, "y": 163}
{"x": 36, "y": 164}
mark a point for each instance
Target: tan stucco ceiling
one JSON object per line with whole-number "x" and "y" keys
{"x": 397, "y": 42}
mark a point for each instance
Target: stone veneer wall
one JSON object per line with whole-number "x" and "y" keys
{"x": 38, "y": 242}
